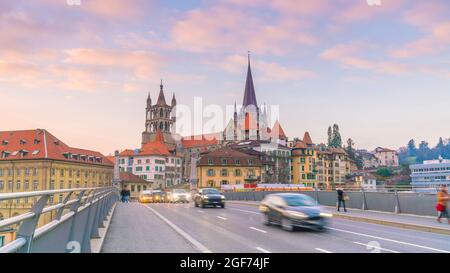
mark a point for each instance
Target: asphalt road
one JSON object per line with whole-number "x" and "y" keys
{"x": 239, "y": 229}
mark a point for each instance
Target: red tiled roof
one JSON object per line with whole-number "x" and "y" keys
{"x": 277, "y": 131}
{"x": 40, "y": 144}
{"x": 127, "y": 152}
{"x": 190, "y": 143}
{"x": 155, "y": 147}
{"x": 111, "y": 159}
{"x": 307, "y": 139}
{"x": 129, "y": 177}
{"x": 300, "y": 145}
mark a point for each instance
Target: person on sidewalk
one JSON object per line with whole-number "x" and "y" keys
{"x": 442, "y": 204}
{"x": 341, "y": 199}
{"x": 125, "y": 195}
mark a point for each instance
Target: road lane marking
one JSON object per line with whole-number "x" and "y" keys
{"x": 390, "y": 240}
{"x": 257, "y": 229}
{"x": 200, "y": 211}
{"x": 199, "y": 246}
{"x": 323, "y": 250}
{"x": 262, "y": 250}
{"x": 248, "y": 211}
{"x": 380, "y": 248}
{"x": 220, "y": 217}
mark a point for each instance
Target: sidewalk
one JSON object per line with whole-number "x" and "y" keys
{"x": 422, "y": 223}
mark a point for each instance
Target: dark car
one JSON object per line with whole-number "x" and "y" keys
{"x": 209, "y": 197}
{"x": 159, "y": 196}
{"x": 291, "y": 210}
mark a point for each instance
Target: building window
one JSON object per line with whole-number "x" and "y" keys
{"x": 26, "y": 185}
{"x": 10, "y": 185}
{"x": 19, "y": 172}
{"x": 18, "y": 185}
{"x": 211, "y": 172}
{"x": 237, "y": 172}
{"x": 210, "y": 161}
{"x": 62, "y": 172}
{"x": 139, "y": 169}
{"x": 139, "y": 161}
{"x": 132, "y": 188}
{"x": 224, "y": 172}
{"x": 1, "y": 186}
{"x": 147, "y": 168}
{"x": 224, "y": 182}
{"x": 35, "y": 185}
{"x": 53, "y": 171}
{"x": 52, "y": 185}
{"x": 1, "y": 172}
{"x": 210, "y": 183}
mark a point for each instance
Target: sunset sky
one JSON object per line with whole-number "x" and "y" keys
{"x": 83, "y": 72}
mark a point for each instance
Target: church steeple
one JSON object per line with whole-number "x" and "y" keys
{"x": 161, "y": 99}
{"x": 249, "y": 94}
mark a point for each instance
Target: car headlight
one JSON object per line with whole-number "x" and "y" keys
{"x": 297, "y": 214}
{"x": 205, "y": 197}
{"x": 263, "y": 208}
{"x": 326, "y": 214}
{"x": 222, "y": 196}
{"x": 188, "y": 196}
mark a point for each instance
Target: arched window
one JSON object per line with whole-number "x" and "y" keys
{"x": 1, "y": 217}
{"x": 161, "y": 113}
{"x": 161, "y": 126}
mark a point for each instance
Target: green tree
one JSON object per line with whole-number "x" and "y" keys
{"x": 330, "y": 136}
{"x": 384, "y": 172}
{"x": 412, "y": 148}
{"x": 334, "y": 137}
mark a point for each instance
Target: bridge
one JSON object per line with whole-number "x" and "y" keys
{"x": 92, "y": 220}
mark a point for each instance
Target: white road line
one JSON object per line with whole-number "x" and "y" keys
{"x": 380, "y": 248}
{"x": 390, "y": 240}
{"x": 186, "y": 236}
{"x": 200, "y": 211}
{"x": 323, "y": 250}
{"x": 248, "y": 211}
{"x": 257, "y": 229}
{"x": 262, "y": 250}
{"x": 220, "y": 217}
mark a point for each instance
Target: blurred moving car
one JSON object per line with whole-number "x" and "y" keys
{"x": 292, "y": 210}
{"x": 159, "y": 196}
{"x": 209, "y": 197}
{"x": 179, "y": 195}
{"x": 145, "y": 197}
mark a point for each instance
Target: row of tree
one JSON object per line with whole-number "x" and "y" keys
{"x": 417, "y": 153}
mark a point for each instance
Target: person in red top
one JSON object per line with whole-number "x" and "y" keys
{"x": 442, "y": 204}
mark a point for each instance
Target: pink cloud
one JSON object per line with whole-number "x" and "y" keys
{"x": 142, "y": 63}
{"x": 222, "y": 28}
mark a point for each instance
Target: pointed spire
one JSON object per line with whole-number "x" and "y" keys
{"x": 149, "y": 100}
{"x": 161, "y": 99}
{"x": 235, "y": 108}
{"x": 174, "y": 101}
{"x": 249, "y": 94}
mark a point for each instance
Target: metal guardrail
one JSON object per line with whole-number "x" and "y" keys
{"x": 417, "y": 203}
{"x": 77, "y": 220}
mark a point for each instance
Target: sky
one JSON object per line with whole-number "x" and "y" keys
{"x": 83, "y": 72}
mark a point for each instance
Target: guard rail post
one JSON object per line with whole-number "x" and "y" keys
{"x": 28, "y": 227}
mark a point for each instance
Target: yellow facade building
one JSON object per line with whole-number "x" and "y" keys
{"x": 226, "y": 166}
{"x": 304, "y": 157}
{"x": 35, "y": 160}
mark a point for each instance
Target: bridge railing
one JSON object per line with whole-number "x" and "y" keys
{"x": 393, "y": 200}
{"x": 77, "y": 220}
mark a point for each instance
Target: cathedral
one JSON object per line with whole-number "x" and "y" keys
{"x": 160, "y": 117}
{"x": 250, "y": 122}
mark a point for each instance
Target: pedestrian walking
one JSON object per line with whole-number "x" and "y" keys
{"x": 342, "y": 197}
{"x": 442, "y": 204}
{"x": 125, "y": 195}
